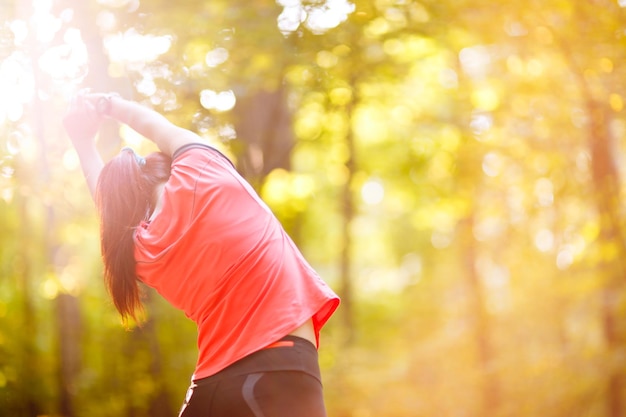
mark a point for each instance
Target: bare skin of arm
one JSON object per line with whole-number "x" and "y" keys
{"x": 151, "y": 124}
{"x": 85, "y": 115}
{"x": 83, "y": 121}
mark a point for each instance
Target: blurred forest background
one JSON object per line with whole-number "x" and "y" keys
{"x": 453, "y": 168}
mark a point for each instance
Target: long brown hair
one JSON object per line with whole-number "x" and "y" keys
{"x": 125, "y": 195}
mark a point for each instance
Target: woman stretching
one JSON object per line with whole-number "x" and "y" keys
{"x": 184, "y": 222}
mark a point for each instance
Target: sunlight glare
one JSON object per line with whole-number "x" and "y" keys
{"x": 6, "y": 169}
{"x": 7, "y": 195}
{"x": 14, "y": 142}
{"x": 221, "y": 102}
{"x": 20, "y": 31}
{"x": 130, "y": 136}
{"x": 302, "y": 186}
{"x": 17, "y": 86}
{"x": 318, "y": 17}
{"x": 481, "y": 123}
{"x": 544, "y": 240}
{"x": 331, "y": 15}
{"x": 106, "y": 20}
{"x": 276, "y": 188}
{"x": 49, "y": 289}
{"x": 216, "y": 57}
{"x": 492, "y": 164}
{"x": 46, "y": 25}
{"x": 292, "y": 15}
{"x": 485, "y": 98}
{"x": 42, "y": 6}
{"x": 69, "y": 280}
{"x": 133, "y": 47}
{"x": 373, "y": 192}
{"x": 370, "y": 124}
{"x": 129, "y": 5}
{"x": 67, "y": 61}
{"x": 475, "y": 60}
{"x": 146, "y": 86}
{"x": 565, "y": 257}
{"x": 544, "y": 192}
{"x": 70, "y": 160}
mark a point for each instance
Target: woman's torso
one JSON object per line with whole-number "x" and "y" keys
{"x": 217, "y": 252}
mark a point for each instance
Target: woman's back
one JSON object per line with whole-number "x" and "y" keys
{"x": 217, "y": 252}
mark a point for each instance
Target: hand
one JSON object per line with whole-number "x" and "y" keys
{"x": 82, "y": 120}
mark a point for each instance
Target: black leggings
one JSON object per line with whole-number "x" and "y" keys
{"x": 278, "y": 381}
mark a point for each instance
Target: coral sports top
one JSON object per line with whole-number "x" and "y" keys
{"x": 217, "y": 252}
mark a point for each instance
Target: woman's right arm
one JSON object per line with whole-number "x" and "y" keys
{"x": 145, "y": 121}
{"x": 83, "y": 118}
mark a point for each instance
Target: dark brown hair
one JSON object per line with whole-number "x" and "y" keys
{"x": 125, "y": 195}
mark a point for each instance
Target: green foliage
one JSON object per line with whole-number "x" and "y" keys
{"x": 454, "y": 170}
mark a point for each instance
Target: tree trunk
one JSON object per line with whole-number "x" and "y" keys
{"x": 345, "y": 260}
{"x": 263, "y": 125}
{"x": 606, "y": 193}
{"x": 68, "y": 334}
{"x": 30, "y": 400}
{"x": 160, "y": 404}
{"x": 30, "y": 382}
{"x": 489, "y": 385}
{"x": 611, "y": 244}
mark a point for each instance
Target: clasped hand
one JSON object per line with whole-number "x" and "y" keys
{"x": 82, "y": 119}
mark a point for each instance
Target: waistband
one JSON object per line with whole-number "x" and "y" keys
{"x": 291, "y": 353}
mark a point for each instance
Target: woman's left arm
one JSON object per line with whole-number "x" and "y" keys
{"x": 147, "y": 122}
{"x": 82, "y": 122}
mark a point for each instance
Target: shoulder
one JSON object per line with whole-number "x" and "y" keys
{"x": 199, "y": 167}
{"x": 198, "y": 150}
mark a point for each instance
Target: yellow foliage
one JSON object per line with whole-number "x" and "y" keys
{"x": 616, "y": 102}
{"x": 369, "y": 124}
{"x": 326, "y": 59}
{"x": 340, "y": 96}
{"x": 485, "y": 98}
{"x": 441, "y": 166}
{"x": 377, "y": 27}
{"x": 195, "y": 51}
{"x": 337, "y": 174}
{"x": 309, "y": 124}
{"x": 287, "y": 189}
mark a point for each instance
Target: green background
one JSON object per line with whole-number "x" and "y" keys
{"x": 453, "y": 169}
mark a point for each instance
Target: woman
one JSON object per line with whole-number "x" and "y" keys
{"x": 184, "y": 222}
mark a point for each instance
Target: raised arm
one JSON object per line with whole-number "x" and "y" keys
{"x": 86, "y": 113}
{"x": 147, "y": 122}
{"x": 81, "y": 123}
